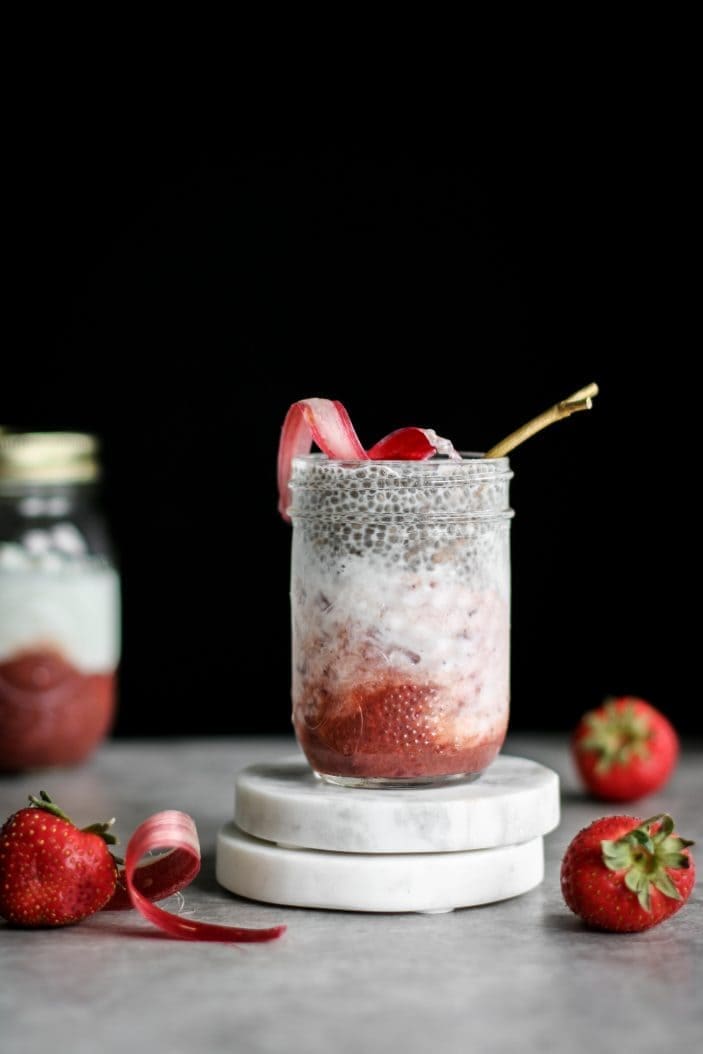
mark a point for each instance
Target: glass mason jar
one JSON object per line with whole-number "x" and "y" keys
{"x": 400, "y": 595}
{"x": 59, "y": 602}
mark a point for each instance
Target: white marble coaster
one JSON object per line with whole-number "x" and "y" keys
{"x": 515, "y": 800}
{"x": 309, "y": 878}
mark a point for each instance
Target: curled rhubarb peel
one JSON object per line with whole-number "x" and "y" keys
{"x": 327, "y": 423}
{"x": 156, "y": 878}
{"x": 140, "y": 884}
{"x": 405, "y": 444}
{"x": 321, "y": 421}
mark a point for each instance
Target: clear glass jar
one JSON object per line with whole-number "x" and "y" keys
{"x": 400, "y": 595}
{"x": 59, "y": 602}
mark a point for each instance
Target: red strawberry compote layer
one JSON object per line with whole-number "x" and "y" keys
{"x": 59, "y": 649}
{"x": 401, "y": 617}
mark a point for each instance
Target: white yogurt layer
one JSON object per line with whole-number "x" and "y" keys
{"x": 365, "y": 621}
{"x": 72, "y": 609}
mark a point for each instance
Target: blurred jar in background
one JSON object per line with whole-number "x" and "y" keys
{"x": 59, "y": 602}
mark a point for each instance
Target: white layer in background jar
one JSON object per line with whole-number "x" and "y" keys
{"x": 67, "y": 605}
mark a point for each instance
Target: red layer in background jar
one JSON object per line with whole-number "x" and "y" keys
{"x": 50, "y": 712}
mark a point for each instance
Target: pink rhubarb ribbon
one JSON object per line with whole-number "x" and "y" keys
{"x": 327, "y": 423}
{"x": 161, "y": 876}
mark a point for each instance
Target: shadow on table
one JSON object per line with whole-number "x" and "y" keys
{"x": 205, "y": 879}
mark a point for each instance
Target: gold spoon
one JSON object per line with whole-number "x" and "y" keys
{"x": 580, "y": 400}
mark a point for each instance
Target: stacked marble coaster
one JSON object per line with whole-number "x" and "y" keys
{"x": 299, "y": 841}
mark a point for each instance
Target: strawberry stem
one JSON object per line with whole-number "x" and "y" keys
{"x": 646, "y": 856}
{"x": 617, "y": 733}
{"x": 48, "y": 805}
{"x": 102, "y": 829}
{"x": 45, "y": 802}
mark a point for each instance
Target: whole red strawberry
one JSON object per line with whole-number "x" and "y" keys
{"x": 52, "y": 873}
{"x": 624, "y": 749}
{"x": 625, "y": 874}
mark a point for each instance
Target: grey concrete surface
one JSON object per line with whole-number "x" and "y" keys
{"x": 523, "y": 974}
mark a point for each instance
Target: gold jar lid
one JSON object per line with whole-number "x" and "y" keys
{"x": 48, "y": 457}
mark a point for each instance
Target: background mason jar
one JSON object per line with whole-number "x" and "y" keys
{"x": 400, "y": 595}
{"x": 59, "y": 602}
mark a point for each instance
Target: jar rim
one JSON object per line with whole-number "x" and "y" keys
{"x": 468, "y": 457}
{"x": 433, "y": 471}
{"x": 436, "y": 489}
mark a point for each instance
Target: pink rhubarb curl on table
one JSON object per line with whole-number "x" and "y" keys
{"x": 139, "y": 884}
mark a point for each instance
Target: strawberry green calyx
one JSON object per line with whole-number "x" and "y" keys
{"x": 645, "y": 854}
{"x": 102, "y": 829}
{"x": 617, "y": 734}
{"x": 48, "y": 805}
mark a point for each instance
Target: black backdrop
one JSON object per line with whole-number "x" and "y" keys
{"x": 175, "y": 295}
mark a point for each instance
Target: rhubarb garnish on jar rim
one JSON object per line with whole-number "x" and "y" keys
{"x": 327, "y": 423}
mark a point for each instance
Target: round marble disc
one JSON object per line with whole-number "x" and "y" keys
{"x": 515, "y": 800}
{"x": 309, "y": 878}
